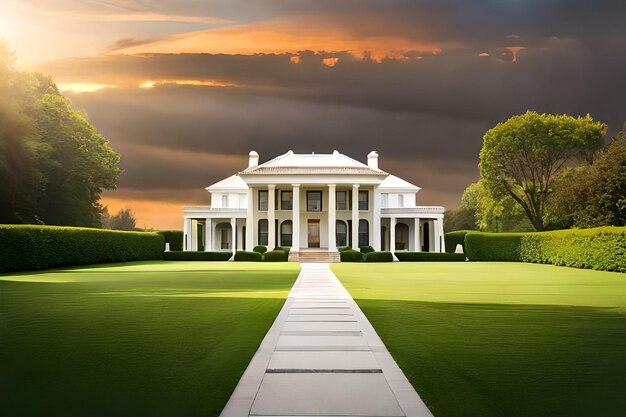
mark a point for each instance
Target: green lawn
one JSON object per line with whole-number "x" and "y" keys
{"x": 501, "y": 339}
{"x": 137, "y": 339}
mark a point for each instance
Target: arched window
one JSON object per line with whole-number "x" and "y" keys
{"x": 263, "y": 232}
{"x": 402, "y": 236}
{"x": 286, "y": 231}
{"x": 364, "y": 232}
{"x": 341, "y": 230}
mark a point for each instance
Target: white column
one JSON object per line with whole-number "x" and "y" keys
{"x": 193, "y": 233}
{"x": 295, "y": 222}
{"x": 441, "y": 239}
{"x": 332, "y": 218}
{"x": 392, "y": 234}
{"x": 416, "y": 237}
{"x": 271, "y": 217}
{"x": 376, "y": 220}
{"x": 233, "y": 237}
{"x": 250, "y": 220}
{"x": 208, "y": 236}
{"x": 187, "y": 234}
{"x": 355, "y": 216}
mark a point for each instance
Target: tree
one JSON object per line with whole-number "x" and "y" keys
{"x": 53, "y": 163}
{"x": 593, "y": 195}
{"x": 124, "y": 219}
{"x": 521, "y": 157}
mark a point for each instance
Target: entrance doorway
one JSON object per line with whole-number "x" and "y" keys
{"x": 314, "y": 233}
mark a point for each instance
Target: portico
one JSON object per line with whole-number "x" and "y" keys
{"x": 313, "y": 202}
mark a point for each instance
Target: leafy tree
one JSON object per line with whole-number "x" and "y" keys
{"x": 521, "y": 157}
{"x": 124, "y": 219}
{"x": 593, "y": 195}
{"x": 53, "y": 163}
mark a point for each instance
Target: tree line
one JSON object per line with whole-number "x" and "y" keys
{"x": 545, "y": 172}
{"x": 54, "y": 165}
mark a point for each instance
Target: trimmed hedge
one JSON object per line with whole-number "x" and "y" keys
{"x": 350, "y": 256}
{"x": 247, "y": 256}
{"x": 284, "y": 248}
{"x": 259, "y": 249}
{"x": 601, "y": 248}
{"x": 383, "y": 256}
{"x": 276, "y": 255}
{"x": 174, "y": 238}
{"x": 343, "y": 248}
{"x": 196, "y": 256}
{"x": 366, "y": 249}
{"x": 429, "y": 257}
{"x": 455, "y": 238}
{"x": 28, "y": 247}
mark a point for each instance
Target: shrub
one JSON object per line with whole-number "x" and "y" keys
{"x": 429, "y": 257}
{"x": 351, "y": 255}
{"x": 455, "y": 238}
{"x": 276, "y": 255}
{"x": 284, "y": 248}
{"x": 601, "y": 248}
{"x": 173, "y": 237}
{"x": 260, "y": 249}
{"x": 344, "y": 248}
{"x": 366, "y": 249}
{"x": 196, "y": 256}
{"x": 243, "y": 255}
{"x": 27, "y": 247}
{"x": 378, "y": 257}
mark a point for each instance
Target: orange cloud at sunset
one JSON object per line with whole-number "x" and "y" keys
{"x": 513, "y": 50}
{"x": 286, "y": 35}
{"x": 330, "y": 62}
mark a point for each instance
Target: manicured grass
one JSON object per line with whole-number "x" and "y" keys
{"x": 138, "y": 339}
{"x": 501, "y": 339}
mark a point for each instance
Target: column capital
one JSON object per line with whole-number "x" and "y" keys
{"x": 332, "y": 185}
{"x": 295, "y": 185}
{"x": 356, "y": 185}
{"x": 271, "y": 186}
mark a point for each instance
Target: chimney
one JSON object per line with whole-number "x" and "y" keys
{"x": 372, "y": 160}
{"x": 254, "y": 159}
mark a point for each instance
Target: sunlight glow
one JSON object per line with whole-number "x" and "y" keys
{"x": 84, "y": 87}
{"x": 330, "y": 62}
{"x": 207, "y": 83}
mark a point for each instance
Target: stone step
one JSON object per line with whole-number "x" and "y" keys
{"x": 314, "y": 256}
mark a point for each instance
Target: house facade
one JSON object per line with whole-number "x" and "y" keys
{"x": 313, "y": 202}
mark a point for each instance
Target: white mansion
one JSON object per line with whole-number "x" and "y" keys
{"x": 313, "y": 202}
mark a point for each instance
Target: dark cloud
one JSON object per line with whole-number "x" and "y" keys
{"x": 426, "y": 117}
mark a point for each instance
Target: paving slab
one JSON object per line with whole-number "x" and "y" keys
{"x": 323, "y": 360}
{"x": 325, "y": 326}
{"x": 325, "y": 394}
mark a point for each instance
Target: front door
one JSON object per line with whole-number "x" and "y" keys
{"x": 314, "y": 233}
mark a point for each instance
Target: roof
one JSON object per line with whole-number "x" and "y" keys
{"x": 234, "y": 182}
{"x": 395, "y": 183}
{"x": 293, "y": 163}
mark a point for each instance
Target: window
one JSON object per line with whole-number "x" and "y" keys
{"x": 341, "y": 231}
{"x": 402, "y": 236}
{"x": 364, "y": 232}
{"x": 385, "y": 200}
{"x": 286, "y": 200}
{"x": 263, "y": 198}
{"x": 363, "y": 200}
{"x": 342, "y": 200}
{"x": 224, "y": 200}
{"x": 400, "y": 200}
{"x": 314, "y": 201}
{"x": 263, "y": 232}
{"x": 286, "y": 233}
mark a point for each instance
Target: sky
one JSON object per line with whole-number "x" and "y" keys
{"x": 184, "y": 89}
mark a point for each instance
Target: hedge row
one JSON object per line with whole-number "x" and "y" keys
{"x": 196, "y": 256}
{"x": 173, "y": 237}
{"x": 429, "y": 257}
{"x": 276, "y": 255}
{"x": 602, "y": 248}
{"x": 259, "y": 249}
{"x": 378, "y": 257}
{"x": 350, "y": 255}
{"x": 455, "y": 238}
{"x": 28, "y": 247}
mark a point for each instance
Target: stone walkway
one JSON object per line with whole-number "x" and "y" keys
{"x": 322, "y": 357}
